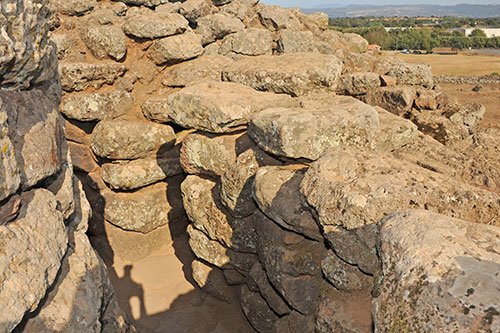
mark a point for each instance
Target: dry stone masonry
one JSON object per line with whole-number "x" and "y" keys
{"x": 327, "y": 189}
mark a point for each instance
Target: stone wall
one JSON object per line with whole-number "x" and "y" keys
{"x": 290, "y": 150}
{"x": 51, "y": 278}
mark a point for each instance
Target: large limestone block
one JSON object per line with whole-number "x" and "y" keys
{"x": 32, "y": 137}
{"x": 82, "y": 157}
{"x": 257, "y": 311}
{"x": 145, "y": 209}
{"x": 96, "y": 106}
{"x": 155, "y": 25}
{"x": 192, "y": 10}
{"x": 352, "y": 187}
{"x": 440, "y": 274}
{"x": 308, "y": 133}
{"x": 275, "y": 190}
{"x": 80, "y": 76}
{"x": 359, "y": 83}
{"x": 248, "y": 42}
{"x": 294, "y": 74}
{"x": 220, "y": 107}
{"x": 156, "y": 109}
{"x": 205, "y": 68}
{"x": 129, "y": 175}
{"x": 241, "y": 9}
{"x": 174, "y": 49}
{"x": 105, "y": 41}
{"x": 217, "y": 26}
{"x": 237, "y": 181}
{"x": 32, "y": 248}
{"x": 278, "y": 18}
{"x": 212, "y": 155}
{"x": 122, "y": 139}
{"x": 81, "y": 298}
{"x": 203, "y": 209}
{"x": 292, "y": 264}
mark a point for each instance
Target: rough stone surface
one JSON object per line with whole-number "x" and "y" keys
{"x": 192, "y": 10}
{"x": 217, "y": 26}
{"x": 444, "y": 278}
{"x": 248, "y": 42}
{"x": 395, "y": 132}
{"x": 121, "y": 139}
{"x": 82, "y": 157}
{"x": 145, "y": 209}
{"x": 210, "y": 155}
{"x": 156, "y": 109}
{"x": 129, "y": 175}
{"x": 155, "y": 25}
{"x": 72, "y": 7}
{"x": 352, "y": 188}
{"x": 204, "y": 211}
{"x": 258, "y": 313}
{"x": 105, "y": 41}
{"x": 277, "y": 18}
{"x": 413, "y": 74}
{"x": 397, "y": 99}
{"x": 344, "y": 276}
{"x": 79, "y": 76}
{"x": 208, "y": 68}
{"x": 359, "y": 83}
{"x": 219, "y": 107}
{"x": 294, "y": 73}
{"x": 296, "y": 41}
{"x": 175, "y": 49}
{"x": 96, "y": 106}
{"x": 275, "y": 191}
{"x": 212, "y": 281}
{"x": 308, "y": 133}
{"x": 26, "y": 248}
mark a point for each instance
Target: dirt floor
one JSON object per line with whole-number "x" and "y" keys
{"x": 465, "y": 65}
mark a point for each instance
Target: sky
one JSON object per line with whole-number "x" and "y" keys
{"x": 332, "y": 3}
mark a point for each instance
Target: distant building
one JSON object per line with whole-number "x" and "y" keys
{"x": 374, "y": 48}
{"x": 490, "y": 32}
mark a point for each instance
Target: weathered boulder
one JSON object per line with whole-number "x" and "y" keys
{"x": 242, "y": 9}
{"x": 395, "y": 132}
{"x": 156, "y": 109}
{"x": 258, "y": 282}
{"x": 444, "y": 278}
{"x": 203, "y": 209}
{"x": 122, "y": 139}
{"x": 212, "y": 281}
{"x": 236, "y": 182}
{"x": 72, "y": 7}
{"x": 155, "y": 25}
{"x": 192, "y": 10}
{"x": 83, "y": 300}
{"x": 412, "y": 74}
{"x": 145, "y": 209}
{"x": 82, "y": 157}
{"x": 294, "y": 73}
{"x": 105, "y": 41}
{"x": 296, "y": 41}
{"x": 205, "y": 68}
{"x": 355, "y": 42}
{"x": 353, "y": 187}
{"x": 248, "y": 42}
{"x": 129, "y": 175}
{"x": 27, "y": 249}
{"x": 396, "y": 99}
{"x": 31, "y": 136}
{"x": 217, "y": 26}
{"x": 344, "y": 276}
{"x": 294, "y": 322}
{"x": 278, "y": 18}
{"x": 308, "y": 133}
{"x": 96, "y": 106}
{"x": 80, "y": 76}
{"x": 175, "y": 49}
{"x": 219, "y": 107}
{"x": 358, "y": 83}
{"x": 211, "y": 155}
{"x": 292, "y": 263}
{"x": 147, "y": 3}
{"x": 216, "y": 254}
{"x": 258, "y": 313}
{"x": 275, "y": 191}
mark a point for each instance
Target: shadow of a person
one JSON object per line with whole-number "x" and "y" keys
{"x": 133, "y": 289}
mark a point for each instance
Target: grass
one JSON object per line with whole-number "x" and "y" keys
{"x": 455, "y": 65}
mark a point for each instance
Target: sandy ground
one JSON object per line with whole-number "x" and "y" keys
{"x": 159, "y": 295}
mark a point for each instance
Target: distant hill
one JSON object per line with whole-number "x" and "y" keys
{"x": 463, "y": 10}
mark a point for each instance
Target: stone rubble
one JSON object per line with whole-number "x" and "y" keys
{"x": 319, "y": 180}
